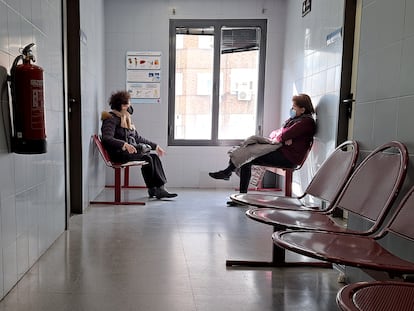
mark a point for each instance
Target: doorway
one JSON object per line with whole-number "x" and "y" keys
{"x": 74, "y": 192}
{"x": 346, "y": 93}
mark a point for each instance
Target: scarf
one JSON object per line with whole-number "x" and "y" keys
{"x": 126, "y": 121}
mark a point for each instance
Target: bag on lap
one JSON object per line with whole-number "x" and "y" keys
{"x": 141, "y": 147}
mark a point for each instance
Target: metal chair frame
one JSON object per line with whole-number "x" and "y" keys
{"x": 117, "y": 177}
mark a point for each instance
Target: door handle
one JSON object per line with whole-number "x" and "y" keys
{"x": 348, "y": 105}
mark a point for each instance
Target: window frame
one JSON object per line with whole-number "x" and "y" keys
{"x": 217, "y": 24}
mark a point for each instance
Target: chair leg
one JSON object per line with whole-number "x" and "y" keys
{"x": 117, "y": 184}
{"x": 117, "y": 192}
{"x": 126, "y": 180}
{"x": 288, "y": 182}
{"x": 260, "y": 187}
{"x": 278, "y": 260}
{"x": 126, "y": 177}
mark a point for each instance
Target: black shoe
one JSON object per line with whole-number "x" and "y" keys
{"x": 220, "y": 175}
{"x": 161, "y": 193}
{"x": 235, "y": 204}
{"x": 151, "y": 192}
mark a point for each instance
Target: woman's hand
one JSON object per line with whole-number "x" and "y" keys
{"x": 159, "y": 151}
{"x": 288, "y": 142}
{"x": 129, "y": 148}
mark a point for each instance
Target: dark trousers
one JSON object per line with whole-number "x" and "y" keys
{"x": 274, "y": 158}
{"x": 152, "y": 172}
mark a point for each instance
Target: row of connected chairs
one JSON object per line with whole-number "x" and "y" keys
{"x": 354, "y": 249}
{"x": 324, "y": 186}
{"x": 367, "y": 253}
{"x": 382, "y": 172}
{"x": 369, "y": 193}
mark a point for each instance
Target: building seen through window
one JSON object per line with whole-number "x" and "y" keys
{"x": 217, "y": 94}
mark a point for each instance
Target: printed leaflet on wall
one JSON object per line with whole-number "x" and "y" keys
{"x": 143, "y": 76}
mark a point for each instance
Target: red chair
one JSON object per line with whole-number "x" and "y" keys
{"x": 365, "y": 252}
{"x": 376, "y": 296}
{"x": 381, "y": 173}
{"x": 324, "y": 185}
{"x": 117, "y": 170}
{"x": 287, "y": 172}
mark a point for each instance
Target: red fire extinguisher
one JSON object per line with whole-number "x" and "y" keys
{"x": 29, "y": 135}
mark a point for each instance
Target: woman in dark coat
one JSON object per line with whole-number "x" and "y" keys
{"x": 124, "y": 144}
{"x": 295, "y": 137}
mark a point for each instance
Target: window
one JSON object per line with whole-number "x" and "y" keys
{"x": 216, "y": 81}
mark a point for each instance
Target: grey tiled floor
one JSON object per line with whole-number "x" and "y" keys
{"x": 167, "y": 255}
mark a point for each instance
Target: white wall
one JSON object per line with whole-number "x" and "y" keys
{"x": 144, "y": 26}
{"x": 32, "y": 189}
{"x": 385, "y": 94}
{"x": 385, "y": 89}
{"x": 312, "y": 67}
{"x": 93, "y": 67}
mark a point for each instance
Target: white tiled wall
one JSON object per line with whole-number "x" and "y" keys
{"x": 311, "y": 66}
{"x": 144, "y": 26}
{"x": 93, "y": 68}
{"x": 385, "y": 89}
{"x": 32, "y": 194}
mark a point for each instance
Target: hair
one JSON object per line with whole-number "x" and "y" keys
{"x": 118, "y": 99}
{"x": 304, "y": 101}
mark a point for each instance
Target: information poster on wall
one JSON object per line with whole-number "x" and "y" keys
{"x": 143, "y": 77}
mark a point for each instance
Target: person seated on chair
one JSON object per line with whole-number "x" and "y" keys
{"x": 293, "y": 139}
{"x": 124, "y": 144}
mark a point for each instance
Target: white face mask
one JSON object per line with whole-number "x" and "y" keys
{"x": 292, "y": 113}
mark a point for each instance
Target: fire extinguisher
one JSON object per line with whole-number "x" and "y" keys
{"x": 26, "y": 81}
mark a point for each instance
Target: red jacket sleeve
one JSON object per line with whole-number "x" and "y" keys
{"x": 301, "y": 133}
{"x": 305, "y": 127}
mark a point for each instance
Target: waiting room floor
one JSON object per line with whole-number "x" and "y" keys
{"x": 167, "y": 255}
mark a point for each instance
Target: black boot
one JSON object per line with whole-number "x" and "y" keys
{"x": 225, "y": 175}
{"x": 161, "y": 192}
{"x": 151, "y": 192}
{"x": 234, "y": 203}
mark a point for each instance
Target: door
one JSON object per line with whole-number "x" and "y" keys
{"x": 347, "y": 88}
{"x": 73, "y": 87}
{"x": 354, "y": 75}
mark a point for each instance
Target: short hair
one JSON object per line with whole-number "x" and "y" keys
{"x": 118, "y": 99}
{"x": 304, "y": 101}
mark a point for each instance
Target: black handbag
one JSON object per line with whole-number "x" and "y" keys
{"x": 141, "y": 147}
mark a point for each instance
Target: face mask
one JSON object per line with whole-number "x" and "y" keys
{"x": 130, "y": 109}
{"x": 292, "y": 113}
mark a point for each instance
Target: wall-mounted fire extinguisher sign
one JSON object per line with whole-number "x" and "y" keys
{"x": 26, "y": 81}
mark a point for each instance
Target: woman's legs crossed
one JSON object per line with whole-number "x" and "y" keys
{"x": 224, "y": 174}
{"x": 274, "y": 158}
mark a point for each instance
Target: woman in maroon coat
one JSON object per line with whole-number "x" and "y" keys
{"x": 295, "y": 135}
{"x": 124, "y": 144}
